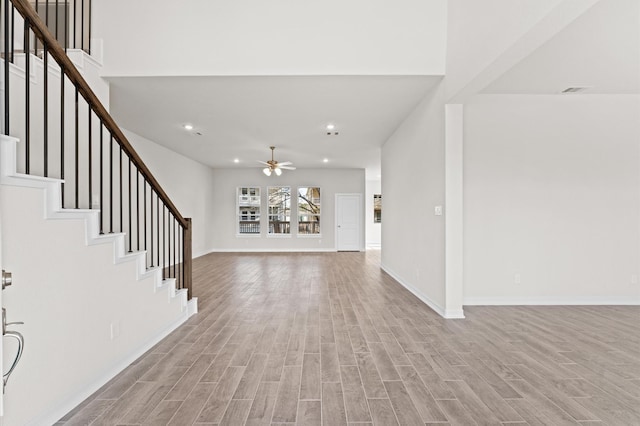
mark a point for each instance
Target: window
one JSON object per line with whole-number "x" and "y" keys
{"x": 249, "y": 210}
{"x": 377, "y": 208}
{"x": 279, "y": 210}
{"x": 309, "y": 210}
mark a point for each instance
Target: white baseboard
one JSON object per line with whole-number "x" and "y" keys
{"x": 448, "y": 314}
{"x": 274, "y": 250}
{"x": 60, "y": 410}
{"x": 454, "y": 314}
{"x": 550, "y": 301}
{"x": 203, "y": 253}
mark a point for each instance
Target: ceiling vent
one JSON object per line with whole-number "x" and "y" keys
{"x": 575, "y": 89}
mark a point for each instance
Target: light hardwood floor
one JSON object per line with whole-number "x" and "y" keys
{"x": 329, "y": 339}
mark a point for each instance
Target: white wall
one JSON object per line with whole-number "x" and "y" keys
{"x": 188, "y": 183}
{"x": 413, "y": 184}
{"x": 374, "y": 230}
{"x": 551, "y": 192}
{"x": 330, "y": 181}
{"x": 282, "y": 37}
{"x": 478, "y": 32}
{"x": 69, "y": 295}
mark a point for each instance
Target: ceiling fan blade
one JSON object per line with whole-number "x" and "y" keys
{"x": 287, "y": 167}
{"x": 263, "y": 162}
{"x": 285, "y": 163}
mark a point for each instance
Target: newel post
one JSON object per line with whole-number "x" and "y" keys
{"x": 188, "y": 254}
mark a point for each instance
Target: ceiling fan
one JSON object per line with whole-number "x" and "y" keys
{"x": 274, "y": 167}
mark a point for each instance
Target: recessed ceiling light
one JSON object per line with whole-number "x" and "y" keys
{"x": 331, "y": 126}
{"x": 236, "y": 160}
{"x": 326, "y": 160}
{"x": 188, "y": 126}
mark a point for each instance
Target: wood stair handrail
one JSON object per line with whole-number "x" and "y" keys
{"x": 69, "y": 69}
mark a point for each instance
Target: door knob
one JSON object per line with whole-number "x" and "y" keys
{"x": 7, "y": 280}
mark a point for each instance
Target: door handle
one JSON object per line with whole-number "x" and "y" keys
{"x": 20, "y": 339}
{"x": 14, "y": 335}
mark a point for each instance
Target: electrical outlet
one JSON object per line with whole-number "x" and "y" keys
{"x": 517, "y": 279}
{"x": 437, "y": 210}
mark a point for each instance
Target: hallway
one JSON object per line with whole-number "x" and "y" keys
{"x": 329, "y": 338}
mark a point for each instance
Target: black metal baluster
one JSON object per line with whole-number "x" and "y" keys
{"x": 138, "y": 208}
{"x": 101, "y": 176}
{"x": 130, "y": 202}
{"x": 111, "y": 183}
{"x": 66, "y": 26}
{"x": 27, "y": 91}
{"x": 77, "y": 160}
{"x": 62, "y": 131}
{"x": 151, "y": 224}
{"x": 90, "y": 160}
{"x": 145, "y": 213}
{"x": 121, "y": 222}
{"x": 174, "y": 247}
{"x": 158, "y": 227}
{"x": 46, "y": 107}
{"x": 6, "y": 66}
{"x": 35, "y": 47}
{"x": 180, "y": 256}
{"x": 164, "y": 235}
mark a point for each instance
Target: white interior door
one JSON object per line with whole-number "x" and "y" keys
{"x": 348, "y": 222}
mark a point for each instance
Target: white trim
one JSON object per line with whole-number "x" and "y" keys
{"x": 192, "y": 307}
{"x": 274, "y": 250}
{"x": 550, "y": 301}
{"x": 303, "y": 236}
{"x": 52, "y": 416}
{"x": 447, "y": 314}
{"x": 279, "y": 235}
{"x": 249, "y": 235}
{"x": 453, "y": 211}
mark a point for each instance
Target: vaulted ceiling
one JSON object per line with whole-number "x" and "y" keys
{"x": 243, "y": 109}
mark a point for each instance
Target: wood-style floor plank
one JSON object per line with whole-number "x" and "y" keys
{"x": 328, "y": 338}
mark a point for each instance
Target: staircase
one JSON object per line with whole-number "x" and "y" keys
{"x": 101, "y": 257}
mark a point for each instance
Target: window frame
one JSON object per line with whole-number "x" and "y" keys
{"x": 239, "y": 213}
{"x": 319, "y": 215}
{"x": 269, "y": 214}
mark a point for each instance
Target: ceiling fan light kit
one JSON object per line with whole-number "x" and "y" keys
{"x": 274, "y": 167}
